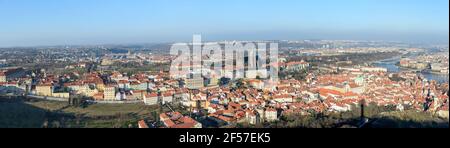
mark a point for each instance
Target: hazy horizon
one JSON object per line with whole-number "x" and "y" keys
{"x": 84, "y": 22}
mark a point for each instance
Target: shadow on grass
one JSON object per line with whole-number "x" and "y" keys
{"x": 15, "y": 113}
{"x": 18, "y": 113}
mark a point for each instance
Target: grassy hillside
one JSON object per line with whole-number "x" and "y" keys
{"x": 41, "y": 113}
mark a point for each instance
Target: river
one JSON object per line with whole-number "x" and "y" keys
{"x": 390, "y": 65}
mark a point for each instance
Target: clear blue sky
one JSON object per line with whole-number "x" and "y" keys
{"x": 60, "y": 22}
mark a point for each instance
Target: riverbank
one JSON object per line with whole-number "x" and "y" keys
{"x": 391, "y": 65}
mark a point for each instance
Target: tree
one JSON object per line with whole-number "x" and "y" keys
{"x": 78, "y": 101}
{"x": 240, "y": 83}
{"x": 224, "y": 81}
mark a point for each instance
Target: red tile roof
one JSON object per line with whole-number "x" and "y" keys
{"x": 282, "y": 96}
{"x": 324, "y": 91}
{"x": 142, "y": 124}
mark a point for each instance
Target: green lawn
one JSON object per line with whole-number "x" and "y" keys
{"x": 95, "y": 109}
{"x": 41, "y": 113}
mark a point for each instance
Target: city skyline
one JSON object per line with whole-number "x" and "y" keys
{"x": 76, "y": 22}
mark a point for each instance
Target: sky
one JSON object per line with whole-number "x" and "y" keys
{"x": 78, "y": 22}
